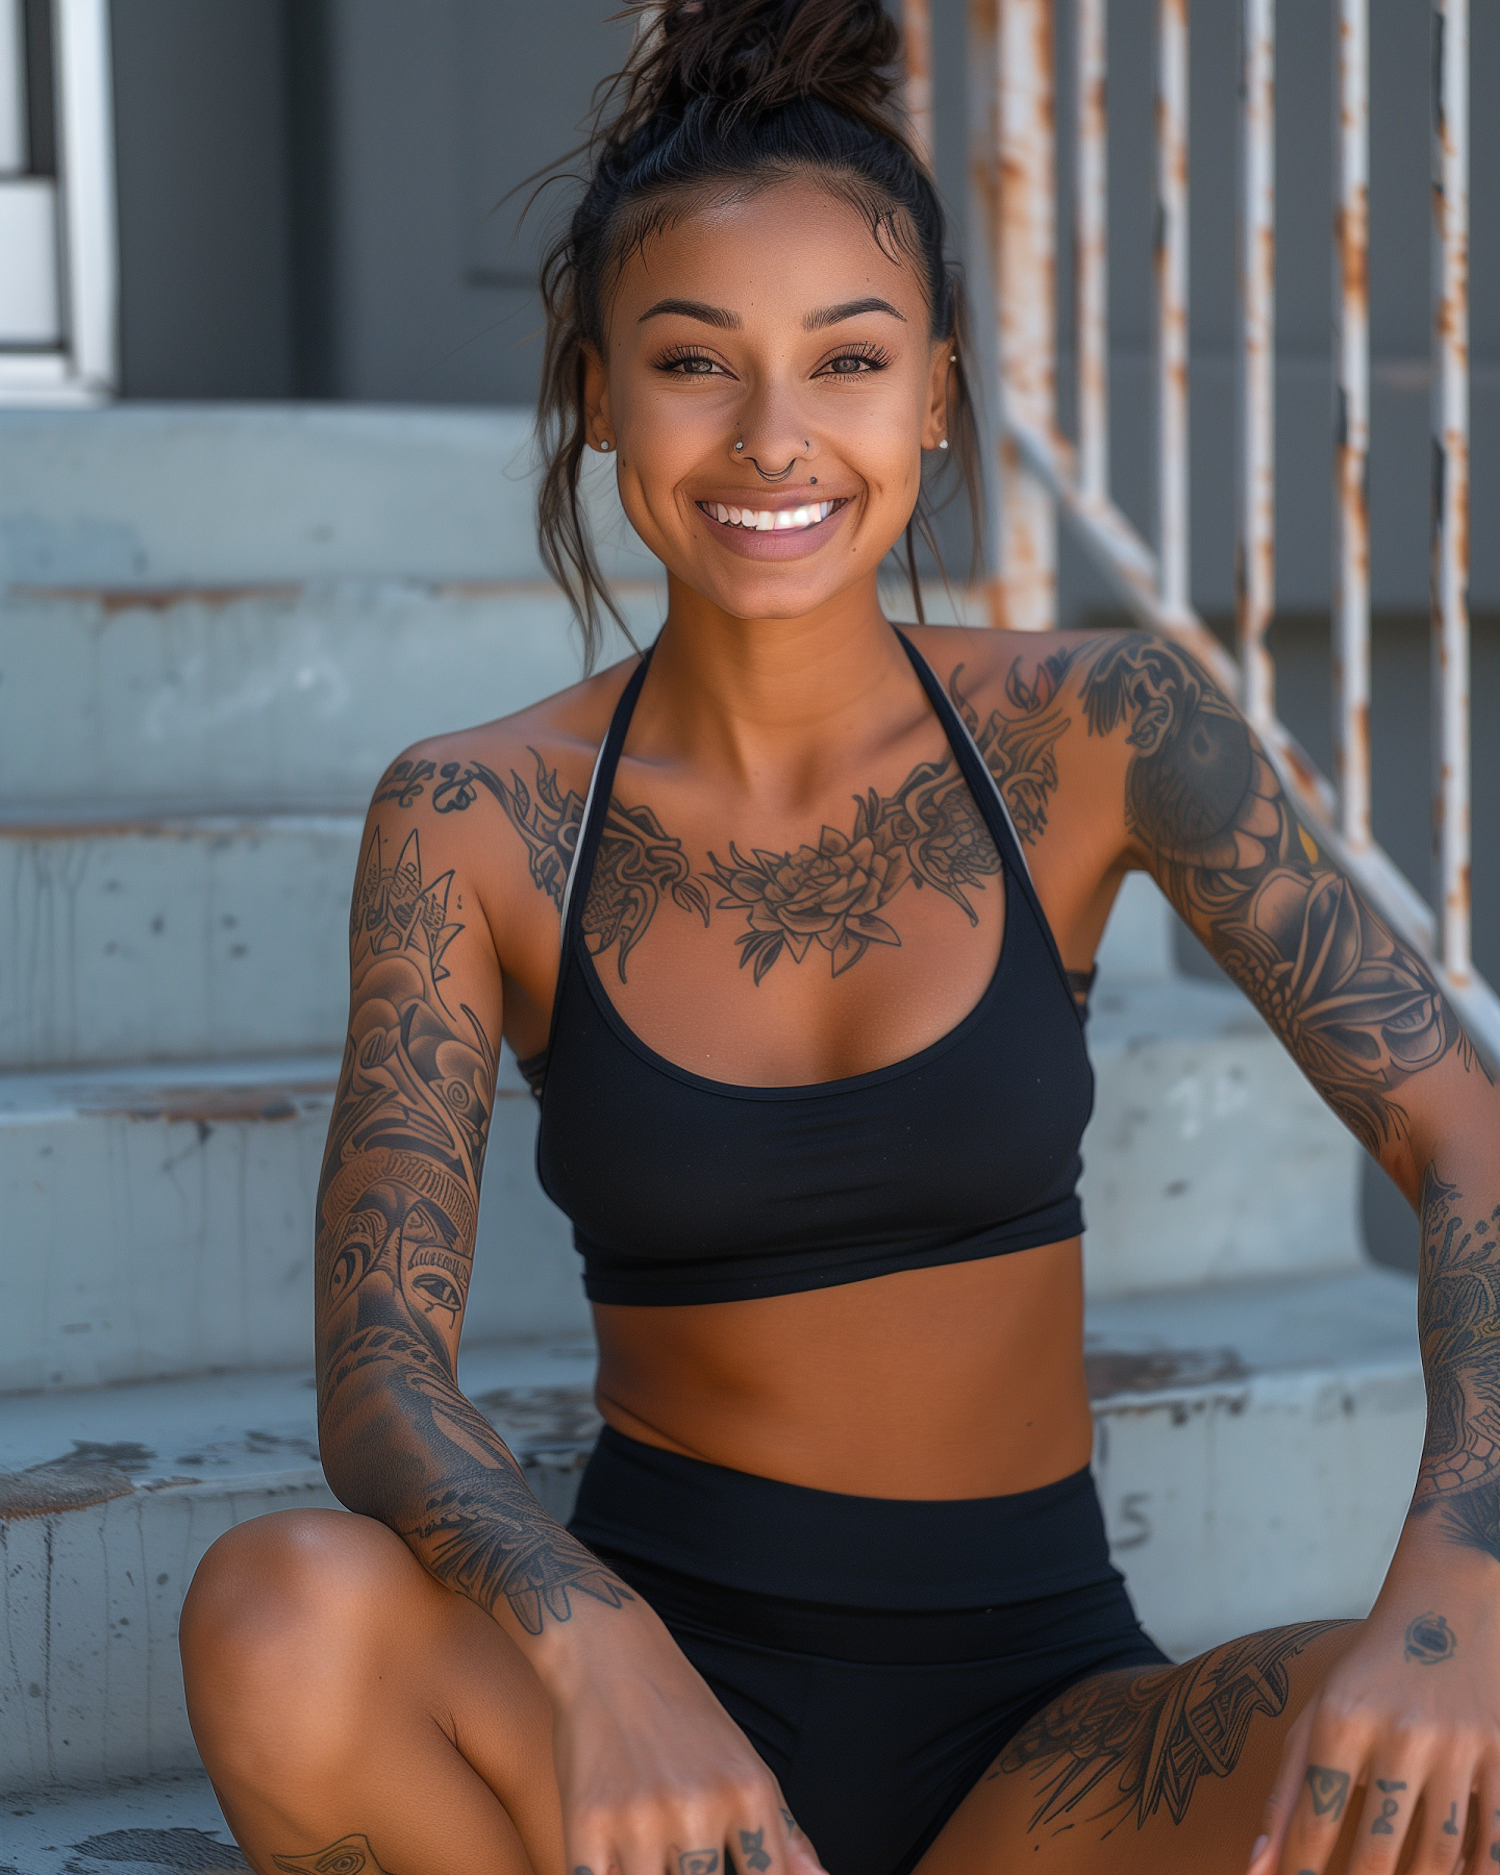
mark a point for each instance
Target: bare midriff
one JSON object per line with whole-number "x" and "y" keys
{"x": 961, "y": 1381}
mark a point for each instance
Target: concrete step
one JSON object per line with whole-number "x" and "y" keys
{"x": 233, "y": 494}
{"x": 1255, "y": 1454}
{"x": 163, "y": 938}
{"x": 160, "y": 1222}
{"x": 1196, "y": 1102}
{"x": 110, "y": 1496}
{"x": 288, "y": 696}
{"x": 283, "y": 696}
{"x": 156, "y": 1826}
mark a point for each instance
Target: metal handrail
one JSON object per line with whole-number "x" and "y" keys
{"x": 1042, "y": 473}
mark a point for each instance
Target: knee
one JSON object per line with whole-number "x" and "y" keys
{"x": 284, "y": 1618}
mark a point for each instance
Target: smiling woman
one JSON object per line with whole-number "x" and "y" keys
{"x": 789, "y": 919}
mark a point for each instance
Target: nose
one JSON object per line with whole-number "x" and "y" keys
{"x": 773, "y": 437}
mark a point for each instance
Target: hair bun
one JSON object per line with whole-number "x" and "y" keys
{"x": 754, "y": 56}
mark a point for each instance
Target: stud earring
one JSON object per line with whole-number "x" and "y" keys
{"x": 942, "y": 442}
{"x": 605, "y": 443}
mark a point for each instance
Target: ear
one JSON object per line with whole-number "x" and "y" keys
{"x": 935, "y": 418}
{"x": 596, "y": 420}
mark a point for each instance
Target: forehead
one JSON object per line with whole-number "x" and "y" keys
{"x": 772, "y": 253}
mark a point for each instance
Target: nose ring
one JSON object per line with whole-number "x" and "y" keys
{"x": 739, "y": 445}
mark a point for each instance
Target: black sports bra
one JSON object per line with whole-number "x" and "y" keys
{"x": 682, "y": 1189}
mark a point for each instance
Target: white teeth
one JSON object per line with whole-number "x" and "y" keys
{"x": 770, "y": 520}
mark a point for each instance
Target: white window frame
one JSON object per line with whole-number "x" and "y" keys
{"x": 84, "y": 367}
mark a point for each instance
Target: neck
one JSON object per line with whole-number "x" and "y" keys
{"x": 776, "y": 702}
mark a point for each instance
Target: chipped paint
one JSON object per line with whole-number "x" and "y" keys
{"x": 916, "y": 33}
{"x": 45, "y": 1490}
{"x": 1351, "y": 443}
{"x": 1450, "y": 494}
{"x": 1091, "y": 246}
{"x": 1255, "y": 553}
{"x": 1025, "y": 590}
{"x": 1171, "y": 261}
{"x": 1112, "y": 1373}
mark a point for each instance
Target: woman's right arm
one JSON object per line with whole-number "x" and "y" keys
{"x": 397, "y": 1207}
{"x": 649, "y": 1764}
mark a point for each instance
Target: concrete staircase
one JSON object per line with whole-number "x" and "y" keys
{"x": 216, "y": 626}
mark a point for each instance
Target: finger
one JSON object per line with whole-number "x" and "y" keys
{"x": 1392, "y": 1792}
{"x": 802, "y": 1851}
{"x": 1482, "y": 1841}
{"x": 1440, "y": 1826}
{"x": 1285, "y": 1788}
{"x": 775, "y": 1847}
{"x": 1327, "y": 1800}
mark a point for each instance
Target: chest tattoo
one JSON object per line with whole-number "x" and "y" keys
{"x": 830, "y": 893}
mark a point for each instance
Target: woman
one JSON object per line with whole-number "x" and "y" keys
{"x": 812, "y": 1081}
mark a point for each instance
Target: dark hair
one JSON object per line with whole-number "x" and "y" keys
{"x": 720, "y": 92}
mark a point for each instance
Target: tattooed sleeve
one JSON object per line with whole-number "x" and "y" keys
{"x": 397, "y": 1207}
{"x": 1358, "y": 1008}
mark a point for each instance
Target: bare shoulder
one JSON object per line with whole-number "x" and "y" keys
{"x": 451, "y": 772}
{"x": 989, "y": 655}
{"x": 478, "y": 825}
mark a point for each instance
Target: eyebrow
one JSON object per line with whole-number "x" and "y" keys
{"x": 728, "y": 321}
{"x": 694, "y": 309}
{"x": 850, "y": 309}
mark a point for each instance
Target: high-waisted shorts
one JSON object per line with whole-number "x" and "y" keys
{"x": 877, "y": 1652}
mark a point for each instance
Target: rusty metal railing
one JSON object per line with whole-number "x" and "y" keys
{"x": 1044, "y": 474}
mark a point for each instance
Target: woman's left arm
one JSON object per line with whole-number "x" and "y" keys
{"x": 1410, "y": 1717}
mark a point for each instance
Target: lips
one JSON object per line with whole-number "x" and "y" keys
{"x": 770, "y": 520}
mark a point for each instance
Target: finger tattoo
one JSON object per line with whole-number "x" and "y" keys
{"x": 753, "y": 1850}
{"x": 1383, "y": 1824}
{"x": 1450, "y": 1828}
{"x": 1329, "y": 1789}
{"x": 698, "y": 1861}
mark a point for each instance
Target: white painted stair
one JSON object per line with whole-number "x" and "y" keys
{"x": 216, "y": 626}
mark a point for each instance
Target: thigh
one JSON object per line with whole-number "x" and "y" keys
{"x": 1145, "y": 1772}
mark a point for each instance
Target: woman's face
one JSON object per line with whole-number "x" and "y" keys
{"x": 778, "y": 324}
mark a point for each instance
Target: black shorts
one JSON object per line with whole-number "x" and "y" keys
{"x": 877, "y": 1652}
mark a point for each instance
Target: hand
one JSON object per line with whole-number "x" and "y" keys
{"x": 1398, "y": 1743}
{"x": 656, "y": 1778}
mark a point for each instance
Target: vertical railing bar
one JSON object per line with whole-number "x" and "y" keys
{"x": 1351, "y": 421}
{"x": 916, "y": 30}
{"x": 1024, "y": 594}
{"x": 1091, "y": 246}
{"x": 1171, "y": 258}
{"x": 1450, "y": 471}
{"x": 1255, "y": 556}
